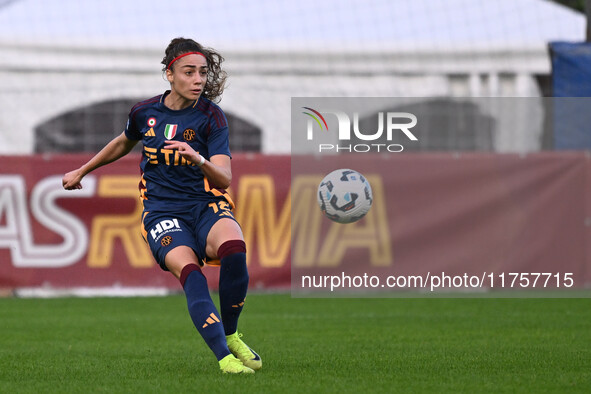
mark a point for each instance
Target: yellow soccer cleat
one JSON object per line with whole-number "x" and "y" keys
{"x": 231, "y": 364}
{"x": 239, "y": 349}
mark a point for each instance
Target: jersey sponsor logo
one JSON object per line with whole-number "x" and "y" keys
{"x": 170, "y": 131}
{"x": 152, "y": 122}
{"x": 165, "y": 156}
{"x": 150, "y": 133}
{"x": 189, "y": 135}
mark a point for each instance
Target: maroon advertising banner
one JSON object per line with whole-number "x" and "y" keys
{"x": 474, "y": 214}
{"x": 468, "y": 222}
{"x": 56, "y": 239}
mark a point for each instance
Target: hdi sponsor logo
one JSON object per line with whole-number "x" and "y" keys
{"x": 163, "y": 227}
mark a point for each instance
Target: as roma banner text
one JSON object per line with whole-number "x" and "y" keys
{"x": 57, "y": 239}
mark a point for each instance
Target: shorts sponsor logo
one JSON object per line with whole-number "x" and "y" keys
{"x": 189, "y": 135}
{"x": 164, "y": 227}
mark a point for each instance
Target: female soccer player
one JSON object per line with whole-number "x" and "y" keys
{"x": 187, "y": 218}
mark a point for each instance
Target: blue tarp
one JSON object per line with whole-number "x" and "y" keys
{"x": 571, "y": 81}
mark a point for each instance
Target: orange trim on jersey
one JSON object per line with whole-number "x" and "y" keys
{"x": 208, "y": 188}
{"x": 142, "y": 187}
{"x": 217, "y": 192}
{"x": 143, "y": 228}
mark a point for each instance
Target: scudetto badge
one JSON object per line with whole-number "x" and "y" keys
{"x": 170, "y": 131}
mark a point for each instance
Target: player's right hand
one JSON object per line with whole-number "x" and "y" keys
{"x": 71, "y": 181}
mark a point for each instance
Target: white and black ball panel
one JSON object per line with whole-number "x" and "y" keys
{"x": 345, "y": 196}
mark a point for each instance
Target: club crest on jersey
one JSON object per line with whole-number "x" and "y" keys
{"x": 170, "y": 131}
{"x": 152, "y": 122}
{"x": 189, "y": 135}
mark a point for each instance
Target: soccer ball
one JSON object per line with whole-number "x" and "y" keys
{"x": 344, "y": 196}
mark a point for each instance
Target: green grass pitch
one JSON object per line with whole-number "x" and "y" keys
{"x": 149, "y": 345}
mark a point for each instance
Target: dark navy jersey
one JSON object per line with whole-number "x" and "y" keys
{"x": 170, "y": 182}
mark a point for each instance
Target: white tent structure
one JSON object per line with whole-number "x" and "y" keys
{"x": 57, "y": 55}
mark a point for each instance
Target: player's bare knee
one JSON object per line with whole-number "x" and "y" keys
{"x": 222, "y": 231}
{"x": 178, "y": 258}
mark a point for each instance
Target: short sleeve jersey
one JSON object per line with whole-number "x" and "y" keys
{"x": 170, "y": 182}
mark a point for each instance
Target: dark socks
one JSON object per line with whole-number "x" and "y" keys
{"x": 202, "y": 310}
{"x": 233, "y": 282}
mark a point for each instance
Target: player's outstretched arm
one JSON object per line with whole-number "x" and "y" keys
{"x": 117, "y": 148}
{"x": 218, "y": 169}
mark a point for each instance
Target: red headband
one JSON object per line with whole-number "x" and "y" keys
{"x": 183, "y": 55}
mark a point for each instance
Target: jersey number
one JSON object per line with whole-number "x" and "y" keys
{"x": 221, "y": 207}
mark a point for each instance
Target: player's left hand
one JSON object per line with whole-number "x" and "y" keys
{"x": 184, "y": 149}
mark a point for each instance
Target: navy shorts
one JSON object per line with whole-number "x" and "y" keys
{"x": 163, "y": 231}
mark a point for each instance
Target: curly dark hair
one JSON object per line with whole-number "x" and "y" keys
{"x": 216, "y": 76}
